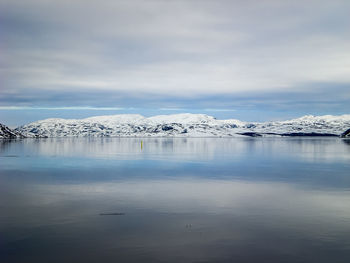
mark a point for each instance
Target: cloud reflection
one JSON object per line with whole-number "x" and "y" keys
{"x": 306, "y": 149}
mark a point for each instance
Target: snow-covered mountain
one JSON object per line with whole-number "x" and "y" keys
{"x": 183, "y": 125}
{"x": 7, "y": 133}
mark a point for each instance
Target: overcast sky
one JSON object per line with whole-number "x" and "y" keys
{"x": 252, "y": 60}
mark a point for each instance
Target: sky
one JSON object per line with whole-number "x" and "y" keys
{"x": 254, "y": 60}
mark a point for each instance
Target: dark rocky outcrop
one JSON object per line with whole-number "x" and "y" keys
{"x": 7, "y": 133}
{"x": 309, "y": 134}
{"x": 291, "y": 134}
{"x": 346, "y": 134}
{"x": 251, "y": 134}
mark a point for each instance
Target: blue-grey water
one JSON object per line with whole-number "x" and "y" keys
{"x": 175, "y": 200}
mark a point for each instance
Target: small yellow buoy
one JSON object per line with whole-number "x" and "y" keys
{"x": 141, "y": 144}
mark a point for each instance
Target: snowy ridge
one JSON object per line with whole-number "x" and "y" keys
{"x": 183, "y": 125}
{"x": 7, "y": 133}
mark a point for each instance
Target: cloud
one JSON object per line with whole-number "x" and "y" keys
{"x": 58, "y": 108}
{"x": 219, "y": 110}
{"x": 172, "y": 109}
{"x": 181, "y": 50}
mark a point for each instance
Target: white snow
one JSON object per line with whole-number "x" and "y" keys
{"x": 181, "y": 125}
{"x": 121, "y": 118}
{"x": 184, "y": 118}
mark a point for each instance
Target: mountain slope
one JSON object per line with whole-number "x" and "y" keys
{"x": 7, "y": 133}
{"x": 183, "y": 125}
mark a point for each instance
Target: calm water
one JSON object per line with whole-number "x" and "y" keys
{"x": 175, "y": 200}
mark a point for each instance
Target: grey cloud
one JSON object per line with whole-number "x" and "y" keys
{"x": 179, "y": 49}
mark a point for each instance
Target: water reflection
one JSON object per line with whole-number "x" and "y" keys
{"x": 178, "y": 200}
{"x": 308, "y": 149}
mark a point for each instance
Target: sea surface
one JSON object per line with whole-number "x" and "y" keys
{"x": 175, "y": 200}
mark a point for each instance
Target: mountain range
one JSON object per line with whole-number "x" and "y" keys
{"x": 179, "y": 125}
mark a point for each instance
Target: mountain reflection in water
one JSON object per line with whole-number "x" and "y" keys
{"x": 175, "y": 200}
